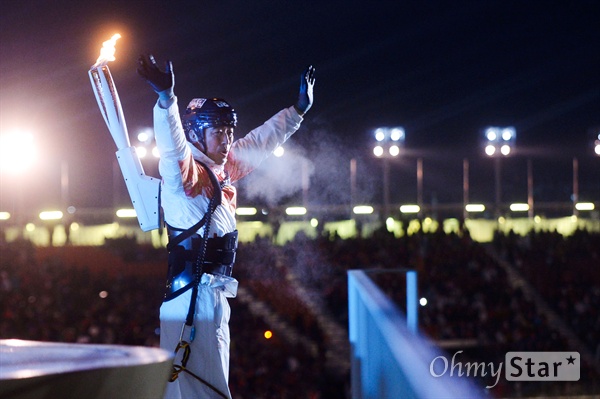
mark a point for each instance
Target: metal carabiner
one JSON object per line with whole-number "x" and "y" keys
{"x": 192, "y": 333}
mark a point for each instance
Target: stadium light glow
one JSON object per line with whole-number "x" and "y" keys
{"x": 362, "y": 210}
{"x": 389, "y": 223}
{"x": 295, "y": 211}
{"x": 126, "y": 213}
{"x": 146, "y": 148}
{"x": 141, "y": 151}
{"x": 499, "y": 141}
{"x": 4, "y": 215}
{"x": 246, "y": 211}
{"x": 17, "y": 152}
{"x": 410, "y": 208}
{"x": 278, "y": 152}
{"x": 397, "y": 134}
{"x": 51, "y": 215}
{"x": 143, "y": 136}
{"x": 388, "y": 141}
{"x": 507, "y": 133}
{"x": 585, "y": 206}
{"x": 474, "y": 207}
{"x": 519, "y": 207}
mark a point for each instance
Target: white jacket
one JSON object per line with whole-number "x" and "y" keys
{"x": 186, "y": 188}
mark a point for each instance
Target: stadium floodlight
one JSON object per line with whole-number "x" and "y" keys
{"x": 508, "y": 133}
{"x": 475, "y": 207}
{"x": 499, "y": 143}
{"x": 51, "y": 215}
{"x": 279, "y": 151}
{"x": 246, "y": 211}
{"x": 499, "y": 140}
{"x": 585, "y": 206}
{"x": 144, "y": 135}
{"x": 363, "y": 210}
{"x": 397, "y": 134}
{"x": 519, "y": 207}
{"x": 141, "y": 152}
{"x": 295, "y": 211}
{"x": 388, "y": 141}
{"x": 378, "y": 151}
{"x": 597, "y": 146}
{"x": 17, "y": 152}
{"x": 126, "y": 213}
{"x": 145, "y": 149}
{"x": 4, "y": 215}
{"x": 410, "y": 208}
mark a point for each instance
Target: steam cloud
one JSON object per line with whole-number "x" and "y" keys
{"x": 278, "y": 178}
{"x": 318, "y": 157}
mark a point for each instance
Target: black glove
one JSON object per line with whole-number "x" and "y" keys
{"x": 305, "y": 97}
{"x": 161, "y": 82}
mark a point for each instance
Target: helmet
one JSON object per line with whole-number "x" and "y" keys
{"x": 202, "y": 113}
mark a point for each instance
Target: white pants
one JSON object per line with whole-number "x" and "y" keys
{"x": 209, "y": 356}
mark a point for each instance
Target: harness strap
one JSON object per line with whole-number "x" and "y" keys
{"x": 214, "y": 202}
{"x": 189, "y": 321}
{"x": 212, "y": 206}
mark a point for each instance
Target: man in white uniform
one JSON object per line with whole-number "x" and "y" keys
{"x": 198, "y": 163}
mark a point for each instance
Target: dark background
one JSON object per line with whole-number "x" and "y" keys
{"x": 442, "y": 70}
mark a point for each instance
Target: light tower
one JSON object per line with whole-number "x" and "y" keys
{"x": 499, "y": 143}
{"x": 388, "y": 141}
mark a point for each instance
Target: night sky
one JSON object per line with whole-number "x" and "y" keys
{"x": 443, "y": 70}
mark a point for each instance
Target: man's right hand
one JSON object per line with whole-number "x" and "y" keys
{"x": 161, "y": 82}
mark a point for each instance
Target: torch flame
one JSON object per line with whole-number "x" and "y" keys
{"x": 107, "y": 52}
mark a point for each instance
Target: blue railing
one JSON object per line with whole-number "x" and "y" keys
{"x": 390, "y": 360}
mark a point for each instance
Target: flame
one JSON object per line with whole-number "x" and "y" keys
{"x": 107, "y": 52}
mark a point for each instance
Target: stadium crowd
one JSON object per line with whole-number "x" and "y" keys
{"x": 469, "y": 300}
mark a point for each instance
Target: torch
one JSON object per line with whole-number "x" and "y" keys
{"x": 143, "y": 190}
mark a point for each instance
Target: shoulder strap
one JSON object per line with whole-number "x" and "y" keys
{"x": 215, "y": 201}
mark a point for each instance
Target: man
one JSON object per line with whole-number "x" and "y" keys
{"x": 199, "y": 162}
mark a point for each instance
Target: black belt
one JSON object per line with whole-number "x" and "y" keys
{"x": 218, "y": 260}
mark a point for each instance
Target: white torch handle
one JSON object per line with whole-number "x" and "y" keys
{"x": 143, "y": 190}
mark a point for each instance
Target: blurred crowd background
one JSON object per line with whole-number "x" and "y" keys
{"x": 539, "y": 292}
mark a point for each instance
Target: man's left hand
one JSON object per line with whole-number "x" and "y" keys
{"x": 305, "y": 96}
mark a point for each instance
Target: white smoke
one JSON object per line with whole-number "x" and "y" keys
{"x": 279, "y": 177}
{"x": 316, "y": 163}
